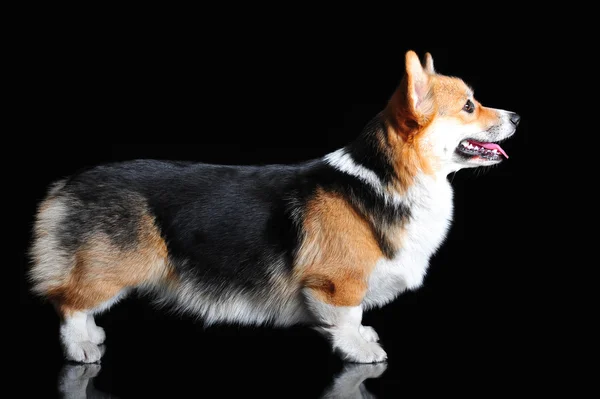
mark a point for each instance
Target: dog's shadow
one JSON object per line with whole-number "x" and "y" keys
{"x": 76, "y": 381}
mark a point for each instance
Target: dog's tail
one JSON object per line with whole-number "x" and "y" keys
{"x": 50, "y": 262}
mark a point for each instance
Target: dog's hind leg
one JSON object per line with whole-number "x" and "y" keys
{"x": 79, "y": 334}
{"x": 77, "y": 343}
{"x": 96, "y": 333}
{"x": 76, "y": 302}
{"x": 87, "y": 277}
{"x": 101, "y": 275}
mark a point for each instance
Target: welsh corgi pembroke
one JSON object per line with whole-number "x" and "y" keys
{"x": 313, "y": 243}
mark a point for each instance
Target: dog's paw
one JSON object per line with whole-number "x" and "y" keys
{"x": 354, "y": 348}
{"x": 369, "y": 352}
{"x": 368, "y": 333}
{"x": 96, "y": 334}
{"x": 83, "y": 352}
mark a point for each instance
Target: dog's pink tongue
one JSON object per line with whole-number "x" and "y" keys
{"x": 490, "y": 146}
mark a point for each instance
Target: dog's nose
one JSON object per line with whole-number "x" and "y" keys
{"x": 515, "y": 119}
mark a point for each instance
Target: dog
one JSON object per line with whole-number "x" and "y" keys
{"x": 315, "y": 243}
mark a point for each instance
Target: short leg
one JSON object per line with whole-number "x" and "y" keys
{"x": 76, "y": 340}
{"x": 341, "y": 324}
{"x": 95, "y": 333}
{"x": 79, "y": 334}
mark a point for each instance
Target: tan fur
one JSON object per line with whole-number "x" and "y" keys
{"x": 485, "y": 117}
{"x": 429, "y": 64}
{"x": 339, "y": 251}
{"x": 101, "y": 270}
{"x": 409, "y": 157}
{"x": 408, "y": 124}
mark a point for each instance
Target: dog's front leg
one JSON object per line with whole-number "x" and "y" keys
{"x": 368, "y": 333}
{"x": 342, "y": 325}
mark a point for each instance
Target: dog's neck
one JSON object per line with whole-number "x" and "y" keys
{"x": 393, "y": 156}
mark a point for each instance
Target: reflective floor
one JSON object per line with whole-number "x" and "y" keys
{"x": 78, "y": 381}
{"x": 150, "y": 354}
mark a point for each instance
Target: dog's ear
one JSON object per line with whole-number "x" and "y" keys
{"x": 417, "y": 86}
{"x": 429, "y": 64}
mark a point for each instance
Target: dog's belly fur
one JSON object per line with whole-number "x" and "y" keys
{"x": 274, "y": 306}
{"x": 422, "y": 236}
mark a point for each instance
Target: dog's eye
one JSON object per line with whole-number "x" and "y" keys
{"x": 469, "y": 107}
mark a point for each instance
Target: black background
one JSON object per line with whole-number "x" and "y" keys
{"x": 258, "y": 97}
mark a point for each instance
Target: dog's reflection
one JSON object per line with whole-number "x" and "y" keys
{"x": 349, "y": 383}
{"x": 76, "y": 381}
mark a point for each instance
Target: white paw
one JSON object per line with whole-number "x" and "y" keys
{"x": 96, "y": 334}
{"x": 368, "y": 333}
{"x": 369, "y": 352}
{"x": 83, "y": 352}
{"x": 354, "y": 348}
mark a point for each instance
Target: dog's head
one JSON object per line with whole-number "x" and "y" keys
{"x": 440, "y": 119}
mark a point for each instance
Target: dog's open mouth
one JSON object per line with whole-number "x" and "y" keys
{"x": 487, "y": 151}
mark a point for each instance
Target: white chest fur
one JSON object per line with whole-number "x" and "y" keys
{"x": 430, "y": 202}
